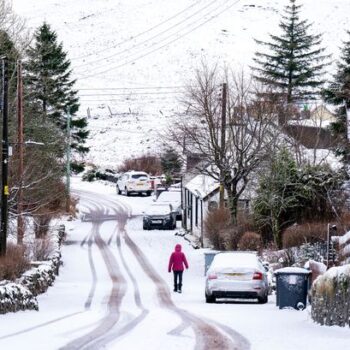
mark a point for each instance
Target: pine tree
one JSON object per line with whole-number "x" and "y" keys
{"x": 171, "y": 162}
{"x": 294, "y": 64}
{"x": 50, "y": 88}
{"x": 338, "y": 94}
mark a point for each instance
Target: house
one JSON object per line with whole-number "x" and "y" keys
{"x": 322, "y": 115}
{"x": 199, "y": 196}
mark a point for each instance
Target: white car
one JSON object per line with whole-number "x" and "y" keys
{"x": 236, "y": 275}
{"x": 134, "y": 182}
{"x": 173, "y": 198}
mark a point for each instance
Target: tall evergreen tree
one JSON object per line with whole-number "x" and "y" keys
{"x": 171, "y": 162}
{"x": 294, "y": 62}
{"x": 50, "y": 87}
{"x": 338, "y": 94}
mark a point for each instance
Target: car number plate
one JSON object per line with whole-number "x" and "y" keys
{"x": 236, "y": 276}
{"x": 156, "y": 221}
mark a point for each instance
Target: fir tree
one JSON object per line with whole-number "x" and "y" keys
{"x": 294, "y": 64}
{"x": 50, "y": 87}
{"x": 338, "y": 94}
{"x": 171, "y": 162}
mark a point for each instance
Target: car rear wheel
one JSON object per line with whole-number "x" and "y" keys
{"x": 145, "y": 227}
{"x": 209, "y": 299}
{"x": 148, "y": 193}
{"x": 127, "y": 193}
{"x": 263, "y": 300}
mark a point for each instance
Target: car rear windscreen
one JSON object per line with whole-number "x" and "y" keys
{"x": 138, "y": 176}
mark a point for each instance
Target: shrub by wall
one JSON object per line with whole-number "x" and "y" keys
{"x": 330, "y": 297}
{"x": 250, "y": 241}
{"x": 296, "y": 235}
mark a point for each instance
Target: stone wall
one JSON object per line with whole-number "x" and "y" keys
{"x": 330, "y": 297}
{"x": 21, "y": 294}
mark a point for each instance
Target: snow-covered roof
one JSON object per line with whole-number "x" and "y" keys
{"x": 202, "y": 185}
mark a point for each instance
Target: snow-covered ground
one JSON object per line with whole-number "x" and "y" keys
{"x": 80, "y": 302}
{"x": 133, "y": 58}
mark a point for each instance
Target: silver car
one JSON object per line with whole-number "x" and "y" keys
{"x": 236, "y": 275}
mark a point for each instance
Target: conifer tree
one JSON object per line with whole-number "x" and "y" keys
{"x": 338, "y": 94}
{"x": 294, "y": 61}
{"x": 50, "y": 87}
{"x": 171, "y": 162}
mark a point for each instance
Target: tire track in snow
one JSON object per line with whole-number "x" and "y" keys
{"x": 102, "y": 335}
{"x": 207, "y": 336}
{"x": 109, "y": 337}
{"x": 116, "y": 295}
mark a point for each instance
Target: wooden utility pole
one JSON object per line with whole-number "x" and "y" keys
{"x": 5, "y": 156}
{"x": 68, "y": 162}
{"x": 20, "y": 137}
{"x": 223, "y": 142}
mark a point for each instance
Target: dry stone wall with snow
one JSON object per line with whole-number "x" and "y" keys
{"x": 21, "y": 295}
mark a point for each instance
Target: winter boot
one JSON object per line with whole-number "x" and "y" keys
{"x": 175, "y": 288}
{"x": 179, "y": 289}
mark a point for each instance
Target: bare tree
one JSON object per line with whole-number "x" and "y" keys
{"x": 13, "y": 25}
{"x": 249, "y": 134}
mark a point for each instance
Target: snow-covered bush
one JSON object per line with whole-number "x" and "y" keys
{"x": 344, "y": 245}
{"x": 15, "y": 297}
{"x": 330, "y": 297}
{"x": 21, "y": 294}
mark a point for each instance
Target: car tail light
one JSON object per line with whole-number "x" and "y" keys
{"x": 257, "y": 276}
{"x": 212, "y": 276}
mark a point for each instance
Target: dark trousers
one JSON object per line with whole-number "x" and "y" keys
{"x": 177, "y": 280}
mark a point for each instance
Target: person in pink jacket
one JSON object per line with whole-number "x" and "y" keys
{"x": 177, "y": 264}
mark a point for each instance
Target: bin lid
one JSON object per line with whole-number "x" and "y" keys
{"x": 292, "y": 270}
{"x": 212, "y": 252}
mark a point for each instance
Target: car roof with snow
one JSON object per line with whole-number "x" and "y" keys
{"x": 158, "y": 209}
{"x": 169, "y": 197}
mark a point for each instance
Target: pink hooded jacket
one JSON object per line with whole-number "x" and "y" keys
{"x": 177, "y": 260}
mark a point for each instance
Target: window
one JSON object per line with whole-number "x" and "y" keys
{"x": 212, "y": 205}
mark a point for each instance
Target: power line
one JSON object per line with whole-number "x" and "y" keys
{"x": 154, "y": 36}
{"x": 139, "y": 34}
{"x": 176, "y": 33}
{"x": 136, "y": 88}
{"x": 158, "y": 48}
{"x": 134, "y": 93}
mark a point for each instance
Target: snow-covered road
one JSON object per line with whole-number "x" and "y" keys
{"x": 114, "y": 292}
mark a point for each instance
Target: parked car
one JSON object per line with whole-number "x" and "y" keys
{"x": 159, "y": 215}
{"x": 236, "y": 275}
{"x": 173, "y": 198}
{"x": 134, "y": 182}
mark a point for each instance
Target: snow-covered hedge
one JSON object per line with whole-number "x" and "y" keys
{"x": 14, "y": 297}
{"x": 344, "y": 245}
{"x": 330, "y": 297}
{"x": 21, "y": 295}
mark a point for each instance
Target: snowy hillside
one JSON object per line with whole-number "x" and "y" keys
{"x": 132, "y": 58}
